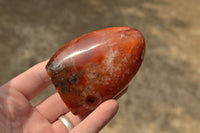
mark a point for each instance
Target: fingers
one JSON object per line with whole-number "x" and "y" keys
{"x": 91, "y": 124}
{"x": 32, "y": 81}
{"x": 59, "y": 127}
{"x": 98, "y": 118}
{"x": 52, "y": 108}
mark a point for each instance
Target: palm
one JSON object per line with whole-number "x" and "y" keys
{"x": 18, "y": 115}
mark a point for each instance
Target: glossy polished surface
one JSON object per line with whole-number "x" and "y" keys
{"x": 97, "y": 66}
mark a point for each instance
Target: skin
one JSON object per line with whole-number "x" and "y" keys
{"x": 17, "y": 115}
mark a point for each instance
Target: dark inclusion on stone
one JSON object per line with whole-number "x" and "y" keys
{"x": 73, "y": 79}
{"x": 90, "y": 100}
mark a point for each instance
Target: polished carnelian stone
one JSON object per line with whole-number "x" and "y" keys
{"x": 96, "y": 66}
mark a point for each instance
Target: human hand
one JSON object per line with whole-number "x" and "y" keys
{"x": 17, "y": 115}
